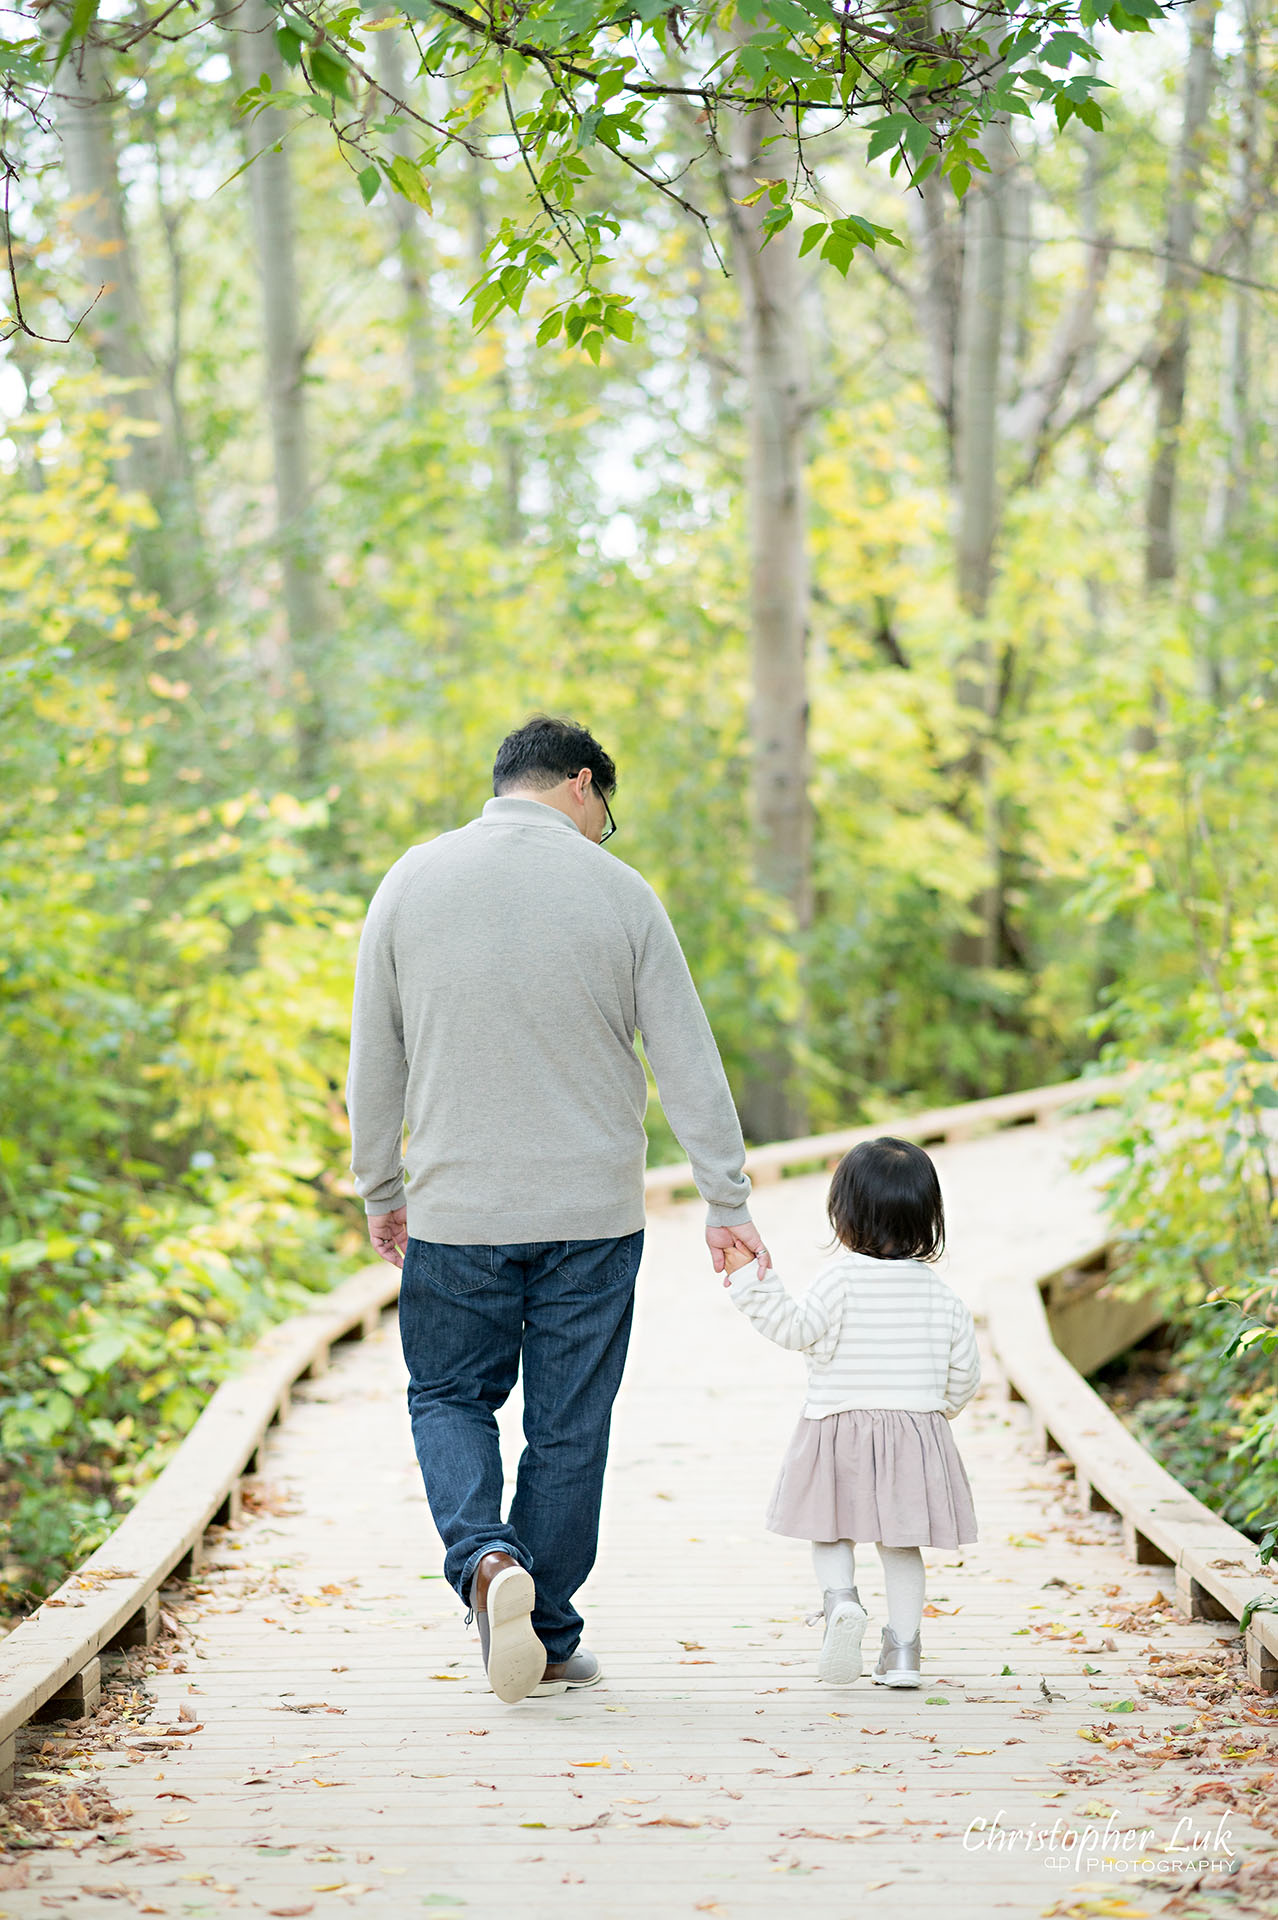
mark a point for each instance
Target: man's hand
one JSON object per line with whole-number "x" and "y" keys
{"x": 745, "y": 1239}
{"x": 389, "y": 1235}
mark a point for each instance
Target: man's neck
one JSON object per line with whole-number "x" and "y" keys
{"x": 547, "y": 797}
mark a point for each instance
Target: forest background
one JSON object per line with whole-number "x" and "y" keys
{"x": 924, "y": 595}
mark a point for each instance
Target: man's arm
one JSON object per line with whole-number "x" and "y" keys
{"x": 694, "y": 1090}
{"x": 376, "y": 1084}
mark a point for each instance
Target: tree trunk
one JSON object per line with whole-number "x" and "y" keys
{"x": 774, "y": 366}
{"x": 507, "y": 463}
{"x": 114, "y": 326}
{"x": 410, "y": 240}
{"x": 1227, "y": 495}
{"x": 980, "y": 364}
{"x": 252, "y": 34}
{"x": 938, "y": 237}
{"x": 1170, "y": 368}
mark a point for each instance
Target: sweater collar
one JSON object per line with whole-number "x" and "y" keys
{"x": 507, "y": 810}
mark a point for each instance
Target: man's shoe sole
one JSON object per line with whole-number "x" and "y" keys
{"x": 897, "y": 1679}
{"x": 516, "y": 1657}
{"x": 840, "y": 1661}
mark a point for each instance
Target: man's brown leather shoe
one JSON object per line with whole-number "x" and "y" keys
{"x": 502, "y": 1597}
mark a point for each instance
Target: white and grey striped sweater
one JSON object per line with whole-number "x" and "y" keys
{"x": 877, "y": 1333}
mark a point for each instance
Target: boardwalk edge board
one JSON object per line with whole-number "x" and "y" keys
{"x": 49, "y": 1663}
{"x": 1217, "y": 1571}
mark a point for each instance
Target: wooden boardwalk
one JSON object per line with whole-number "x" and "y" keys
{"x": 323, "y": 1741}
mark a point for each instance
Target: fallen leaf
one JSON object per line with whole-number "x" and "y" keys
{"x": 973, "y": 1749}
{"x": 669, "y": 1820}
{"x": 692, "y": 1646}
{"x": 938, "y": 1613}
{"x": 605, "y": 1762}
{"x": 175, "y": 1819}
{"x": 291, "y": 1913}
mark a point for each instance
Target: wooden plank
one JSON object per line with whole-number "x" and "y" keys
{"x": 1163, "y": 1523}
{"x": 112, "y": 1594}
{"x": 1037, "y": 1105}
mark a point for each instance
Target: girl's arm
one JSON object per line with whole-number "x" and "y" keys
{"x": 964, "y": 1374}
{"x": 798, "y": 1324}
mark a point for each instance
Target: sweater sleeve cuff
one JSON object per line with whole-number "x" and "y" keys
{"x": 738, "y": 1216}
{"x": 386, "y": 1202}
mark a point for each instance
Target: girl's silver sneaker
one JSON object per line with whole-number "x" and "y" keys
{"x": 845, "y": 1617}
{"x": 898, "y": 1661}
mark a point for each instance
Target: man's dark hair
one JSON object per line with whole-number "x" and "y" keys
{"x": 885, "y": 1200}
{"x": 545, "y": 751}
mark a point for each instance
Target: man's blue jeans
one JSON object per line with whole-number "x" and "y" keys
{"x": 467, "y": 1316}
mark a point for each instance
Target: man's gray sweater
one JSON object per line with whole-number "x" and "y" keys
{"x": 503, "y": 971}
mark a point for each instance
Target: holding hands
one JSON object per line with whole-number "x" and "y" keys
{"x": 732, "y": 1248}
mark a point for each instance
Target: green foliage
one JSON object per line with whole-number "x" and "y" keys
{"x": 585, "y": 92}
{"x": 1194, "y": 1185}
{"x": 173, "y": 999}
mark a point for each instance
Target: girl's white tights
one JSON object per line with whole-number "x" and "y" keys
{"x": 904, "y": 1579}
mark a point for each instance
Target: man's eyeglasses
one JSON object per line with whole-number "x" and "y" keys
{"x": 611, "y": 827}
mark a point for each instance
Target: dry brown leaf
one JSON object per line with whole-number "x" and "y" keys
{"x": 15, "y": 1876}
{"x": 291, "y": 1913}
{"x": 669, "y": 1820}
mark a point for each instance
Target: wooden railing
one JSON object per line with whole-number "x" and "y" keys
{"x": 50, "y": 1663}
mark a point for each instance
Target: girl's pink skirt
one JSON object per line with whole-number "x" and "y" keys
{"x": 879, "y": 1473}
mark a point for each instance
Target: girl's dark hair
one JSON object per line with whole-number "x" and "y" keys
{"x": 885, "y": 1200}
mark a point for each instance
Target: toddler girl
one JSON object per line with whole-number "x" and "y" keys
{"x": 891, "y": 1354}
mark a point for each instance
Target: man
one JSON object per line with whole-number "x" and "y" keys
{"x": 503, "y": 972}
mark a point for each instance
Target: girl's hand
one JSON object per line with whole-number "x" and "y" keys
{"x": 734, "y": 1258}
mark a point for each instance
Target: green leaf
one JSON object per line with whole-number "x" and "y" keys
{"x": 290, "y": 44}
{"x": 753, "y": 62}
{"x": 789, "y": 66}
{"x": 408, "y": 179}
{"x": 812, "y": 235}
{"x": 330, "y": 74}
{"x": 83, "y": 15}
{"x": 1266, "y": 1097}
{"x": 369, "y": 181}
{"x": 1259, "y": 1603}
{"x": 774, "y": 220}
{"x": 550, "y": 328}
